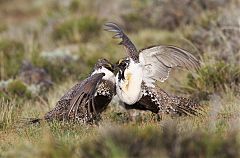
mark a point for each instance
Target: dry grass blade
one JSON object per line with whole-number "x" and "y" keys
{"x": 7, "y": 113}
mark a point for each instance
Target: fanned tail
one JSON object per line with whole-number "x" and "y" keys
{"x": 184, "y": 107}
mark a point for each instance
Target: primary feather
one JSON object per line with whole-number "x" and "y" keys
{"x": 158, "y": 61}
{"x": 155, "y": 64}
{"x": 77, "y": 103}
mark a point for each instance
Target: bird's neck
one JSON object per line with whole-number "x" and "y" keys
{"x": 129, "y": 83}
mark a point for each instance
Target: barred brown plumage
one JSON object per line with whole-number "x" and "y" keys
{"x": 160, "y": 102}
{"x": 138, "y": 73}
{"x": 85, "y": 101}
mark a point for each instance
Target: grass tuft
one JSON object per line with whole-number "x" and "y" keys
{"x": 7, "y": 113}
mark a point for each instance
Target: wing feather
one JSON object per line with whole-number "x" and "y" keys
{"x": 159, "y": 60}
{"x": 85, "y": 93}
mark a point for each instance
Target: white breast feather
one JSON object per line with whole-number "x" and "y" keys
{"x": 129, "y": 90}
{"x": 108, "y": 74}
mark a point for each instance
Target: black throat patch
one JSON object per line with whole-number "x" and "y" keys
{"x": 122, "y": 65}
{"x": 121, "y": 75}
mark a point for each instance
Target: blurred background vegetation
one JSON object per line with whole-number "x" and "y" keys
{"x": 46, "y": 46}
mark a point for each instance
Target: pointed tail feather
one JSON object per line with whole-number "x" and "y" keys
{"x": 184, "y": 107}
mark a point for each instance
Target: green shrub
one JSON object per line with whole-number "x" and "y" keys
{"x": 75, "y": 30}
{"x": 213, "y": 79}
{"x": 18, "y": 88}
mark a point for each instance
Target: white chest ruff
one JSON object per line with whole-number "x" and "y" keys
{"x": 129, "y": 89}
{"x": 108, "y": 74}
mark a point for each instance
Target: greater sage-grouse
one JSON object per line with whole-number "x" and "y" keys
{"x": 135, "y": 80}
{"x": 85, "y": 101}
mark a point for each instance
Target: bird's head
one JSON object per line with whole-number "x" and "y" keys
{"x": 104, "y": 66}
{"x": 104, "y": 63}
{"x": 121, "y": 66}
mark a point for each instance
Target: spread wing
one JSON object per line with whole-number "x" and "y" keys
{"x": 82, "y": 92}
{"x": 159, "y": 60}
{"x": 126, "y": 42}
{"x": 85, "y": 95}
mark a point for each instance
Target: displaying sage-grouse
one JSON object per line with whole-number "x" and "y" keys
{"x": 135, "y": 80}
{"x": 85, "y": 101}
